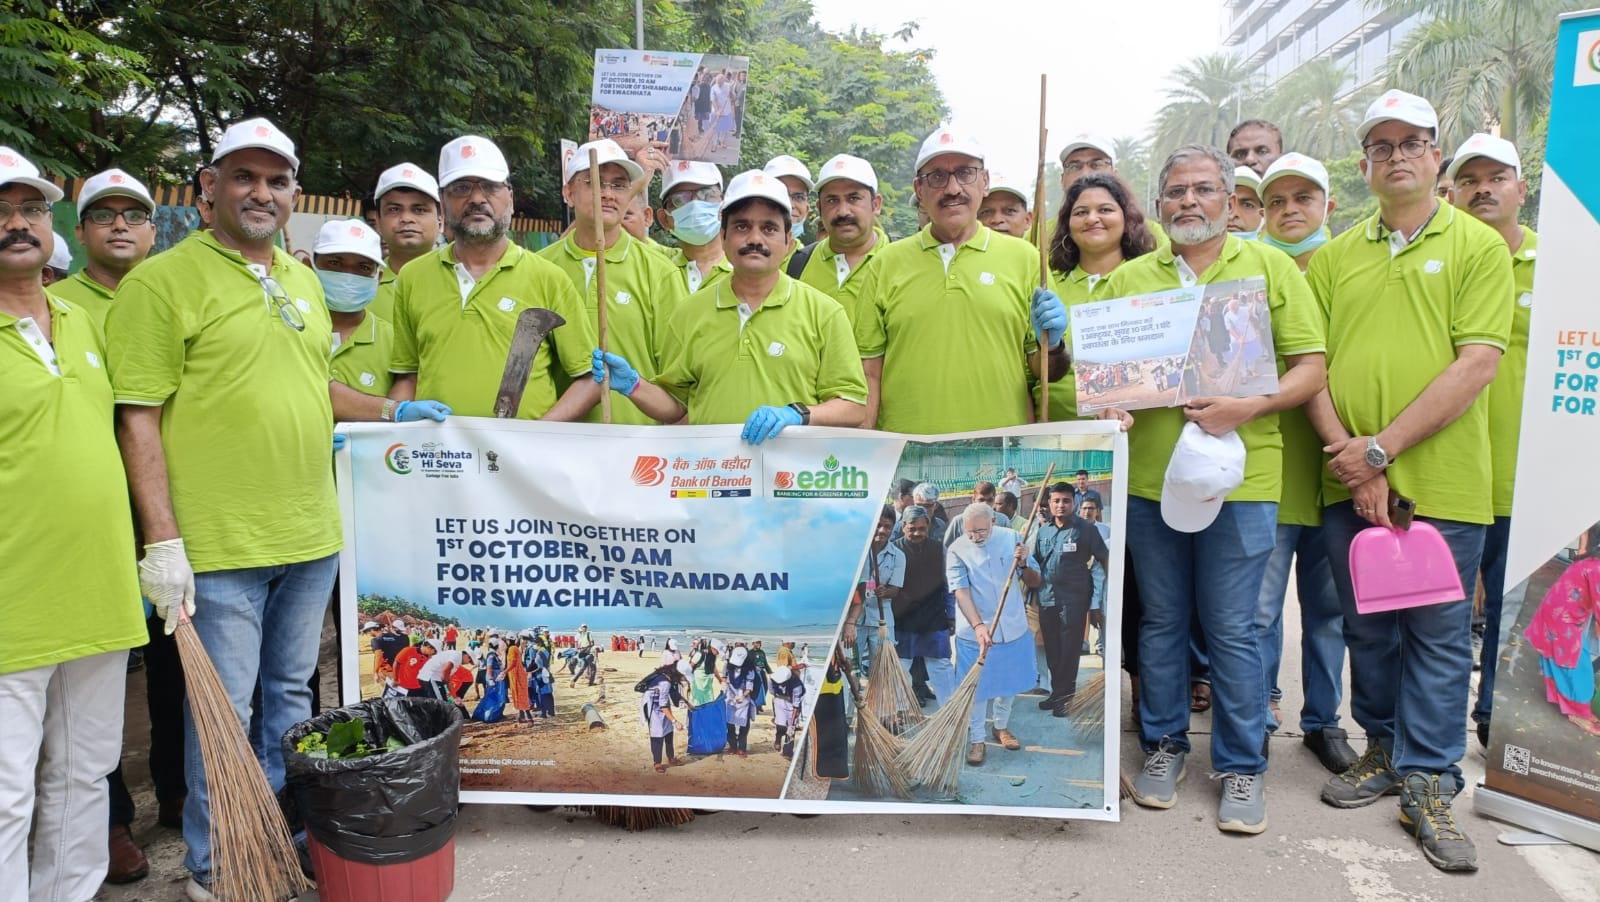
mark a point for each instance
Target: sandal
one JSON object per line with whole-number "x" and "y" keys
{"x": 1199, "y": 697}
{"x": 661, "y": 768}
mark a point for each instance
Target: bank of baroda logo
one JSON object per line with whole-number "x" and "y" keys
{"x": 649, "y": 470}
{"x": 833, "y": 480}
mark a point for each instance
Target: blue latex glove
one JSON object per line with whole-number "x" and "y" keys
{"x": 767, "y": 422}
{"x": 412, "y": 411}
{"x": 1049, "y": 316}
{"x": 624, "y": 378}
{"x": 339, "y": 441}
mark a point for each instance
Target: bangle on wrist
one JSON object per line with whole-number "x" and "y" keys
{"x": 387, "y": 413}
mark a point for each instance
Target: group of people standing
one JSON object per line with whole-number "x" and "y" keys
{"x": 741, "y": 676}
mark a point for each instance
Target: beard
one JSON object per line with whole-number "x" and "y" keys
{"x": 481, "y": 234}
{"x": 1196, "y": 234}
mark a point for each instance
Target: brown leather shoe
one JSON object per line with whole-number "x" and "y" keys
{"x": 170, "y": 813}
{"x": 128, "y": 863}
{"x": 1199, "y": 697}
{"x": 976, "y": 753}
{"x": 1008, "y": 740}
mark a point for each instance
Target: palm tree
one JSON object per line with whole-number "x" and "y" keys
{"x": 1133, "y": 164}
{"x": 1483, "y": 63}
{"x": 1209, "y": 95}
{"x": 1317, "y": 117}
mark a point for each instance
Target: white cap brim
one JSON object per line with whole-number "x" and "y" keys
{"x": 48, "y": 189}
{"x": 1189, "y": 516}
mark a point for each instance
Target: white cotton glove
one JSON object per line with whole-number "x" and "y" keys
{"x": 167, "y": 580}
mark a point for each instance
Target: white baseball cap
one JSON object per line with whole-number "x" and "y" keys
{"x": 407, "y": 175}
{"x": 1399, "y": 105}
{"x": 14, "y": 167}
{"x": 738, "y": 656}
{"x": 1244, "y": 175}
{"x": 845, "y": 166}
{"x": 685, "y": 668}
{"x": 693, "y": 172}
{"x": 348, "y": 236}
{"x": 1092, "y": 142}
{"x": 783, "y": 164}
{"x": 668, "y": 656}
{"x": 781, "y": 674}
{"x": 370, "y": 625}
{"x": 61, "y": 255}
{"x": 998, "y": 182}
{"x": 472, "y": 156}
{"x": 606, "y": 151}
{"x": 947, "y": 140}
{"x": 756, "y": 183}
{"x": 1295, "y": 164}
{"x": 1481, "y": 145}
{"x": 1204, "y": 468}
{"x": 113, "y": 183}
{"x": 258, "y": 133}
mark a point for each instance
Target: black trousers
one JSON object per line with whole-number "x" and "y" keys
{"x": 1132, "y": 611}
{"x": 164, "y": 694}
{"x": 1063, "y": 627}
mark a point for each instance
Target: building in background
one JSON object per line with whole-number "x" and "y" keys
{"x": 1278, "y": 36}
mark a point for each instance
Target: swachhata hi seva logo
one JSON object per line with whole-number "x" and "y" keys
{"x": 833, "y": 480}
{"x": 1586, "y": 69}
{"x": 396, "y": 459}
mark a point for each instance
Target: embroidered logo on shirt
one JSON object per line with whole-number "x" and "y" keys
{"x": 623, "y": 297}
{"x": 507, "y": 304}
{"x": 1525, "y": 299}
{"x": 303, "y": 304}
{"x": 775, "y": 349}
{"x": 1433, "y": 266}
{"x": 94, "y": 359}
{"x": 986, "y": 278}
{"x": 368, "y": 379}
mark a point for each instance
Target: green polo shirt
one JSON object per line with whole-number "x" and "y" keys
{"x": 70, "y": 582}
{"x": 1505, "y": 392}
{"x": 246, "y": 422}
{"x": 795, "y": 347}
{"x": 953, "y": 328}
{"x": 362, "y": 360}
{"x": 1296, "y": 329}
{"x": 642, "y": 291}
{"x": 84, "y": 293}
{"x": 831, "y": 274}
{"x": 718, "y": 273}
{"x": 383, "y": 304}
{"x": 458, "y": 348}
{"x": 1074, "y": 288}
{"x": 1395, "y": 322}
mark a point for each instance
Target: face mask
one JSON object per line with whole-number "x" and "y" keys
{"x": 1311, "y": 242}
{"x": 347, "y": 292}
{"x": 797, "y": 230}
{"x": 1251, "y": 235}
{"x": 696, "y": 222}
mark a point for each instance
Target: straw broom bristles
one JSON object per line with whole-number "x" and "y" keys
{"x": 890, "y": 698}
{"x": 634, "y": 819}
{"x": 1087, "y": 709}
{"x": 874, "y": 771}
{"x": 253, "y": 858}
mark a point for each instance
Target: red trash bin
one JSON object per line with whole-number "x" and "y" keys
{"x": 428, "y": 879}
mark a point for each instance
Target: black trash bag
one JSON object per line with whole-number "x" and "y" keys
{"x": 388, "y": 808}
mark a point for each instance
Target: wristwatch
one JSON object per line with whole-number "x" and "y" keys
{"x": 803, "y": 411}
{"x": 1377, "y": 458}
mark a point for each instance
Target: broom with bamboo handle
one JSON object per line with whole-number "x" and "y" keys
{"x": 873, "y": 772}
{"x": 600, "y": 277}
{"x": 890, "y": 697}
{"x": 934, "y": 757}
{"x": 1044, "y": 261}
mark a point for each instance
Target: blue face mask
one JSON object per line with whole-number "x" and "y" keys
{"x": 696, "y": 222}
{"x": 797, "y": 229}
{"x": 1251, "y": 235}
{"x": 347, "y": 292}
{"x": 1311, "y": 242}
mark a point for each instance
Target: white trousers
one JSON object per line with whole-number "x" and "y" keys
{"x": 63, "y": 723}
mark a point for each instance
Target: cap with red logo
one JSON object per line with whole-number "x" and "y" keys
{"x": 947, "y": 140}
{"x": 785, "y": 165}
{"x": 691, "y": 172}
{"x": 1089, "y": 141}
{"x": 472, "y": 156}
{"x": 406, "y": 175}
{"x": 1295, "y": 164}
{"x": 348, "y": 236}
{"x": 14, "y": 167}
{"x": 605, "y": 151}
{"x": 1481, "y": 145}
{"x": 1400, "y": 106}
{"x": 256, "y": 133}
{"x": 113, "y": 183}
{"x": 845, "y": 166}
{"x": 756, "y": 183}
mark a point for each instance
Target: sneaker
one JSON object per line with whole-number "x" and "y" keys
{"x": 1157, "y": 784}
{"x": 1369, "y": 779}
{"x": 1243, "y": 806}
{"x": 195, "y": 891}
{"x": 1331, "y": 745}
{"x": 1426, "y": 814}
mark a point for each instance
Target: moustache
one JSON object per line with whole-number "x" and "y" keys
{"x": 754, "y": 249}
{"x": 18, "y": 238}
{"x": 837, "y": 221}
{"x": 485, "y": 209}
{"x": 253, "y": 207}
{"x": 1484, "y": 199}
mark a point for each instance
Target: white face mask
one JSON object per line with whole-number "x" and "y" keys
{"x": 347, "y": 292}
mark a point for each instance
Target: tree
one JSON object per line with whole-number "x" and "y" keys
{"x": 1349, "y": 191}
{"x": 1483, "y": 63}
{"x": 1135, "y": 167}
{"x": 1209, "y": 96}
{"x": 1317, "y": 115}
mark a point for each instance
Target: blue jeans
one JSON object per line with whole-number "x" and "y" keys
{"x": 260, "y": 626}
{"x": 1493, "y": 564}
{"x": 1213, "y": 576}
{"x": 1411, "y": 669}
{"x": 1321, "y": 624}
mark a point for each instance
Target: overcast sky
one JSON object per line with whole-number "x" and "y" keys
{"x": 1107, "y": 62}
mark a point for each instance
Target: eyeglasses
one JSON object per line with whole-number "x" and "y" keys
{"x": 34, "y": 211}
{"x": 465, "y": 188}
{"x": 104, "y": 216}
{"x": 1098, "y": 165}
{"x": 1410, "y": 149}
{"x": 678, "y": 198}
{"x": 277, "y": 297}
{"x": 1202, "y": 192}
{"x": 616, "y": 186}
{"x": 799, "y": 197}
{"x": 938, "y": 178}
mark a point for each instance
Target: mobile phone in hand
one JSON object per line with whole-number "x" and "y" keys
{"x": 1401, "y": 510}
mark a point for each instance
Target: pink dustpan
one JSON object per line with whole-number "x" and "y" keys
{"x": 1392, "y": 569}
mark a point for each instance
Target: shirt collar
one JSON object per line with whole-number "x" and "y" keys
{"x": 782, "y": 290}
{"x": 616, "y": 253}
{"x": 1530, "y": 247}
{"x": 512, "y": 255}
{"x": 825, "y": 247}
{"x": 1443, "y": 216}
{"x": 386, "y": 275}
{"x": 83, "y": 278}
{"x": 1231, "y": 247}
{"x": 978, "y": 242}
{"x": 280, "y": 258}
{"x": 367, "y": 331}
{"x": 58, "y": 307}
{"x": 682, "y": 260}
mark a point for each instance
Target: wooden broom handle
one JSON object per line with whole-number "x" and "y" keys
{"x": 1027, "y": 530}
{"x": 1044, "y": 260}
{"x": 600, "y": 277}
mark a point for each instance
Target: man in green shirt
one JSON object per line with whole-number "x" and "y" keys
{"x": 116, "y": 231}
{"x": 1204, "y": 560}
{"x": 1006, "y": 208}
{"x": 760, "y": 348}
{"x": 407, "y": 198}
{"x": 797, "y": 182}
{"x": 456, "y": 308}
{"x": 849, "y": 204}
{"x": 642, "y": 289}
{"x": 72, "y": 597}
{"x": 1487, "y": 176}
{"x": 1418, "y": 301}
{"x": 955, "y": 284}
{"x": 691, "y": 195}
{"x": 218, "y": 352}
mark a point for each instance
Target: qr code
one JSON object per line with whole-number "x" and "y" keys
{"x": 1517, "y": 760}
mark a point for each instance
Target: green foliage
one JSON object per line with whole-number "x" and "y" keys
{"x": 1353, "y": 200}
{"x": 1316, "y": 114}
{"x": 372, "y": 604}
{"x": 1209, "y": 94}
{"x": 344, "y": 740}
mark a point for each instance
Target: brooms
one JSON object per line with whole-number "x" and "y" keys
{"x": 935, "y": 755}
{"x": 253, "y": 858}
{"x": 873, "y": 771}
{"x": 1087, "y": 713}
{"x": 890, "y": 700}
